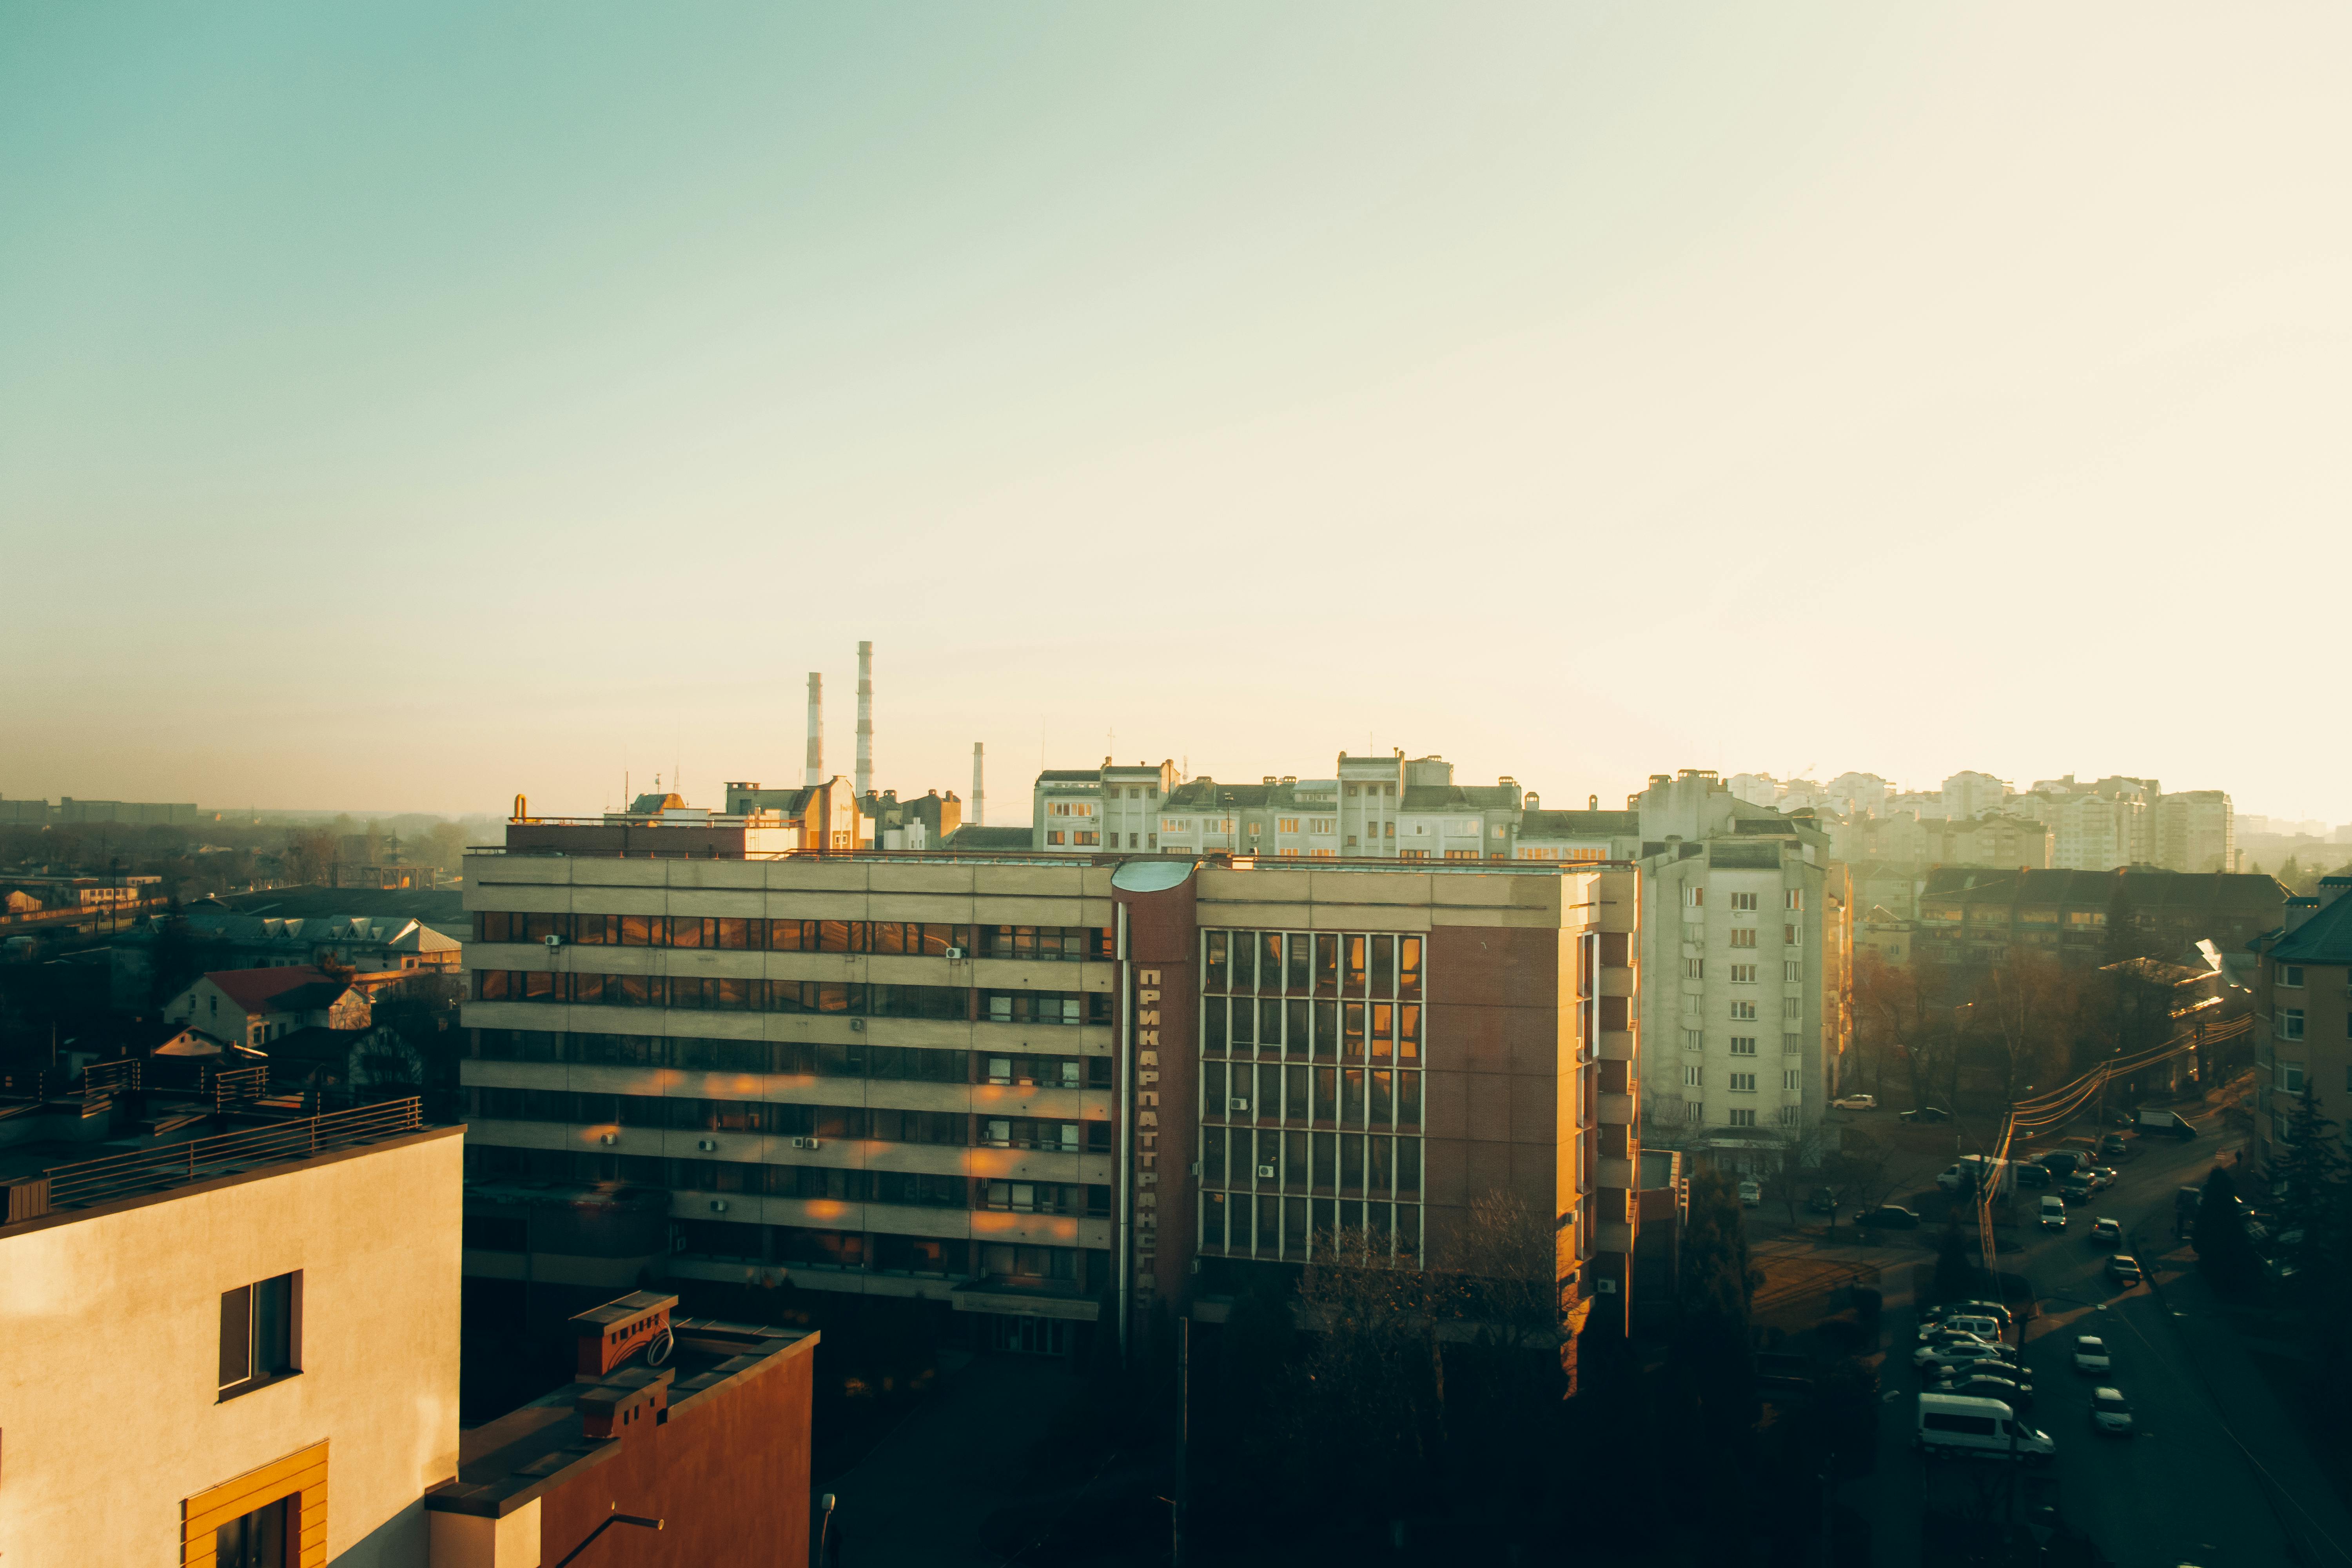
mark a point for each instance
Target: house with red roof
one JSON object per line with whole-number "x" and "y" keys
{"x": 254, "y": 1006}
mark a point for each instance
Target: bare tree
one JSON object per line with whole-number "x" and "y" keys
{"x": 1902, "y": 1010}
{"x": 2023, "y": 1015}
{"x": 1372, "y": 1384}
{"x": 1505, "y": 1264}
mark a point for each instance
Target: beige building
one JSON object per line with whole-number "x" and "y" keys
{"x": 2303, "y": 1018}
{"x": 233, "y": 1349}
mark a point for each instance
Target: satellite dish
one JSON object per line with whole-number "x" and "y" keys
{"x": 1150, "y": 876}
{"x": 659, "y": 1348}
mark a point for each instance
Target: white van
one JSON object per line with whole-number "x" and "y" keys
{"x": 2054, "y": 1212}
{"x": 1961, "y": 1427}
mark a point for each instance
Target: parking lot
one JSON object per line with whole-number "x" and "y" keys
{"x": 2217, "y": 1473}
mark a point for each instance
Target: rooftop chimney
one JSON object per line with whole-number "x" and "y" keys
{"x": 865, "y": 719}
{"x": 814, "y": 773}
{"x": 979, "y": 798}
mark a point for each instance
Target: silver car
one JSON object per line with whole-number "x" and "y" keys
{"x": 2111, "y": 1413}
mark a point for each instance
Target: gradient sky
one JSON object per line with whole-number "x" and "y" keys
{"x": 403, "y": 407}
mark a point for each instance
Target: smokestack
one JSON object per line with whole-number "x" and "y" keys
{"x": 815, "y": 774}
{"x": 979, "y": 800}
{"x": 865, "y": 719}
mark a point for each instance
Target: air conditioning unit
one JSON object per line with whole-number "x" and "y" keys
{"x": 707, "y": 1145}
{"x": 1605, "y": 1287}
{"x": 856, "y": 1024}
{"x": 554, "y": 942}
{"x": 958, "y": 953}
{"x": 1265, "y": 1173}
{"x": 718, "y": 1206}
{"x": 608, "y": 1139}
{"x": 808, "y": 1142}
{"x": 1237, "y": 1105}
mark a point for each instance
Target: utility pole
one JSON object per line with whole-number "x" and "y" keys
{"x": 1183, "y": 1439}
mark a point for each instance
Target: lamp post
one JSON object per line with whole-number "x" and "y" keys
{"x": 824, "y": 1526}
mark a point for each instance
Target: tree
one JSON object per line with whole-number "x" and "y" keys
{"x": 1857, "y": 1172}
{"x": 1505, "y": 1258}
{"x": 2221, "y": 1245}
{"x": 309, "y": 856}
{"x": 2307, "y": 1174}
{"x": 1370, "y": 1388}
{"x": 2022, "y": 1012}
{"x": 1956, "y": 1276}
{"x": 1903, "y": 1010}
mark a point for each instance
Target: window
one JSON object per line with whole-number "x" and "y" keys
{"x": 1743, "y": 901}
{"x": 1791, "y": 1045}
{"x": 1743, "y": 1083}
{"x": 2291, "y": 974}
{"x": 1085, "y": 839}
{"x": 1789, "y": 936}
{"x": 1740, "y": 1119}
{"x": 1743, "y": 975}
{"x": 1793, "y": 1006}
{"x": 1788, "y": 1079}
{"x": 1322, "y": 825}
{"x": 1791, "y": 969}
{"x": 1175, "y": 824}
{"x": 1070, "y": 808}
{"x": 1694, "y": 898}
{"x": 1691, "y": 1075}
{"x": 1743, "y": 936}
{"x": 1788, "y": 1116}
{"x": 261, "y": 1333}
{"x": 1743, "y": 1012}
{"x": 1053, "y": 836}
{"x": 1743, "y": 1045}
{"x": 1794, "y": 898}
{"x": 1287, "y": 825}
{"x": 2290, "y": 1077}
{"x": 2290, "y": 1023}
{"x": 259, "y": 1539}
{"x": 1694, "y": 968}
{"x": 1694, "y": 1041}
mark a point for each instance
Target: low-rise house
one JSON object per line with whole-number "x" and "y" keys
{"x": 255, "y": 1006}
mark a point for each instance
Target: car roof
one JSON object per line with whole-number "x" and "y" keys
{"x": 1965, "y": 1401}
{"x": 2089, "y": 1340}
{"x": 2107, "y": 1219}
{"x": 2106, "y": 1393}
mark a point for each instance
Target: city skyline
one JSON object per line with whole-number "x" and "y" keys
{"x": 423, "y": 412}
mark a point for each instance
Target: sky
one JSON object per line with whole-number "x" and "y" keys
{"x": 403, "y": 407}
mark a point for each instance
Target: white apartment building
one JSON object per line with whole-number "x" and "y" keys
{"x": 1386, "y": 807}
{"x": 1746, "y": 936}
{"x": 1967, "y": 794}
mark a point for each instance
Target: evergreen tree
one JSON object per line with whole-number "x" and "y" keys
{"x": 2222, "y": 1248}
{"x": 2308, "y": 1171}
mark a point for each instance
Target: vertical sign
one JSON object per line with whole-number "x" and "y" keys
{"x": 1146, "y": 1112}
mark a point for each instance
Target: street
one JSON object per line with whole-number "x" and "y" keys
{"x": 2218, "y": 1474}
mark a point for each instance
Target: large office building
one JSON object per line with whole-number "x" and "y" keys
{"x": 2303, "y": 1019}
{"x": 1020, "y": 1084}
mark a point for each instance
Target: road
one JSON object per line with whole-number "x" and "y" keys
{"x": 2218, "y": 1475}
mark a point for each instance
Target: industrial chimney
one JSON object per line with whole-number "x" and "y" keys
{"x": 865, "y": 719}
{"x": 815, "y": 773}
{"x": 979, "y": 800}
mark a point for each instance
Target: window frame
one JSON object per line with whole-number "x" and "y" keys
{"x": 244, "y": 1321}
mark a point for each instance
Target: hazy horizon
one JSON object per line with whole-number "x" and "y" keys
{"x": 451, "y": 402}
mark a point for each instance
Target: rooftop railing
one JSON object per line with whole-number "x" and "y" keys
{"x": 116, "y": 1177}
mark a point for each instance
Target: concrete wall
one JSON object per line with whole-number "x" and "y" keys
{"x": 112, "y": 1328}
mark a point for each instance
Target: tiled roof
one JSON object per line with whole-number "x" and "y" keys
{"x": 971, "y": 836}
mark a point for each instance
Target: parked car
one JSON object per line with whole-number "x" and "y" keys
{"x": 2102, "y": 1176}
{"x": 2111, "y": 1413}
{"x": 1823, "y": 1201}
{"x": 2114, "y": 1145}
{"x": 2054, "y": 1212}
{"x": 2106, "y": 1233}
{"x": 2061, "y": 1161}
{"x": 2017, "y": 1395}
{"x": 2033, "y": 1175}
{"x": 2091, "y": 1354}
{"x": 1750, "y": 1193}
{"x": 1925, "y": 1113}
{"x": 1947, "y": 1347}
{"x": 2124, "y": 1269}
{"x": 1935, "y": 1362}
{"x": 2184, "y": 1202}
{"x": 1856, "y": 1102}
{"x": 1889, "y": 1216}
{"x": 2076, "y": 1188}
{"x": 1977, "y": 1327}
{"x": 1944, "y": 1309}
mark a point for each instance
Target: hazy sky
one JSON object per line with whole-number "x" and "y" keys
{"x": 403, "y": 407}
